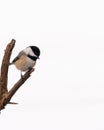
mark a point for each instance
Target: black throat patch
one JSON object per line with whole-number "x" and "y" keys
{"x": 32, "y": 57}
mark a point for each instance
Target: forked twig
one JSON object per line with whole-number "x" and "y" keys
{"x": 5, "y": 95}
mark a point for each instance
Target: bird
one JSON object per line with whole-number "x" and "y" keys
{"x": 26, "y": 59}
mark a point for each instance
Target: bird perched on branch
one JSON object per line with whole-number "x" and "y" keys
{"x": 26, "y": 59}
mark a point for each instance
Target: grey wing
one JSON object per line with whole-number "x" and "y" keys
{"x": 18, "y": 56}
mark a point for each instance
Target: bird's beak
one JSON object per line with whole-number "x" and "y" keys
{"x": 38, "y": 58}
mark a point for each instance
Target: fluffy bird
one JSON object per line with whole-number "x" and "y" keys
{"x": 27, "y": 58}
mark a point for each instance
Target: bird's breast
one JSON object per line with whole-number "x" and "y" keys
{"x": 24, "y": 63}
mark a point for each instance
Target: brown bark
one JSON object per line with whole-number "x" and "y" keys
{"x": 4, "y": 67}
{"x": 5, "y": 95}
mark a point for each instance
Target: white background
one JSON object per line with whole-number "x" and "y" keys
{"x": 66, "y": 91}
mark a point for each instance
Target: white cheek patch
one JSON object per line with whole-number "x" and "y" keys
{"x": 29, "y": 51}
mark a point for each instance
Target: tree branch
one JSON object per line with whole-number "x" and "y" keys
{"x": 5, "y": 95}
{"x": 19, "y": 83}
{"x": 4, "y": 67}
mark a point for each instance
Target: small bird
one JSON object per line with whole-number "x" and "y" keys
{"x": 27, "y": 58}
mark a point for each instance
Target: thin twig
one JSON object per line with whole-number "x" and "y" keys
{"x": 19, "y": 83}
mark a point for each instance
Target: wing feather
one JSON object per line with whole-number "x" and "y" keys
{"x": 18, "y": 56}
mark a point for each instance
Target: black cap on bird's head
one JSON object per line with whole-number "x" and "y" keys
{"x": 36, "y": 51}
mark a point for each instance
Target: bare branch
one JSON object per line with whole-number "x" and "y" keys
{"x": 6, "y": 96}
{"x": 19, "y": 83}
{"x": 4, "y": 67}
